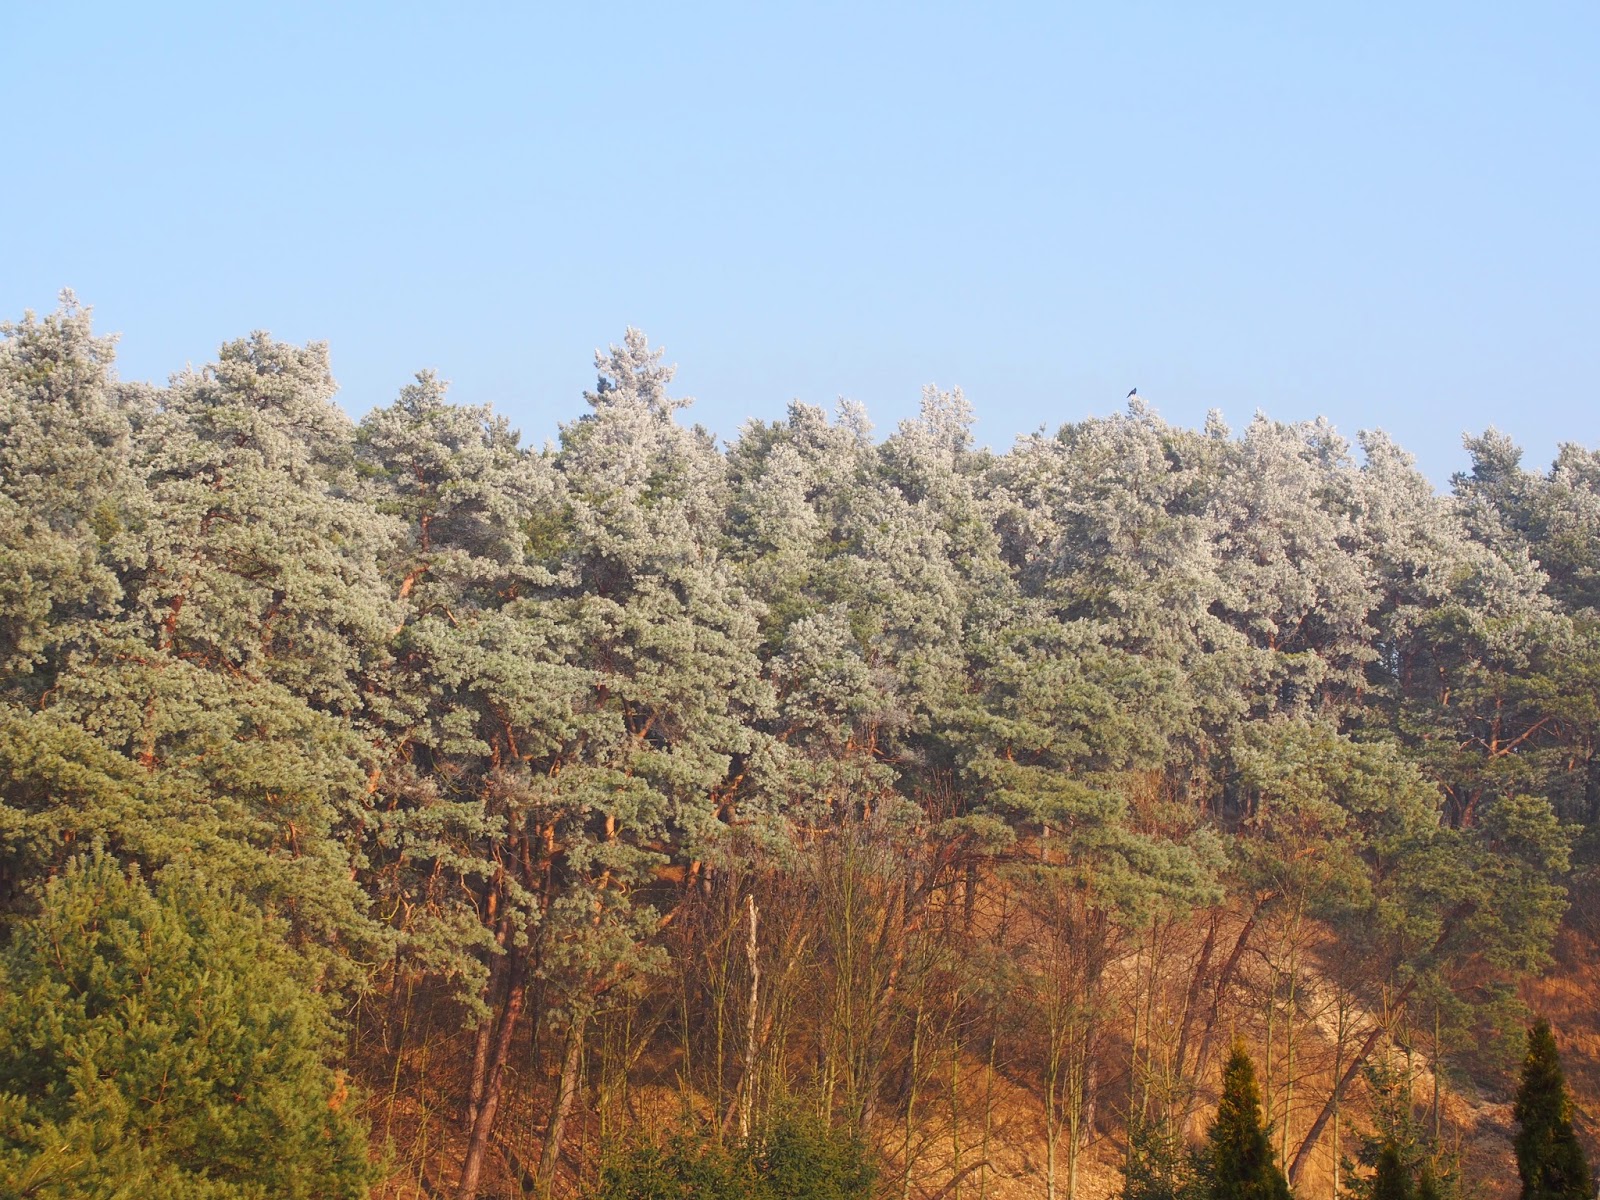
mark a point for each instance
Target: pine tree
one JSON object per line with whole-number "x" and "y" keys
{"x": 65, "y": 491}
{"x": 1239, "y": 1151}
{"x": 1549, "y": 1159}
{"x": 164, "y": 1041}
{"x": 1395, "y": 1152}
{"x": 1392, "y": 1181}
{"x": 1158, "y": 1165}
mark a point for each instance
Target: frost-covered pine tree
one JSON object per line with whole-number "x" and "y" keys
{"x": 67, "y": 491}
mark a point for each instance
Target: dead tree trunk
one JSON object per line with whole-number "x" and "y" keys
{"x": 1357, "y": 1061}
{"x": 1303, "y": 1154}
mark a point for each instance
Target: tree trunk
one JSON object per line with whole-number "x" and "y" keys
{"x": 491, "y": 997}
{"x": 1338, "y": 1070}
{"x": 752, "y": 951}
{"x": 483, "y": 1120}
{"x": 1202, "y": 1058}
{"x": 1191, "y": 1000}
{"x": 566, "y": 1093}
{"x": 1303, "y": 1155}
{"x": 1091, "y": 1094}
{"x": 988, "y": 1109}
{"x": 484, "y": 1040}
{"x": 911, "y": 1099}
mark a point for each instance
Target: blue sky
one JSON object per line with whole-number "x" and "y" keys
{"x": 1382, "y": 213}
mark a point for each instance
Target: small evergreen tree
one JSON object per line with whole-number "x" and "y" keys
{"x": 161, "y": 1042}
{"x": 798, "y": 1158}
{"x": 802, "y": 1159}
{"x": 1158, "y": 1165}
{"x": 1549, "y": 1159}
{"x": 1395, "y": 1148}
{"x": 1239, "y": 1152}
{"x": 684, "y": 1168}
{"x": 1392, "y": 1181}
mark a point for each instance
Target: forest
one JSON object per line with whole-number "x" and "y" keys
{"x": 391, "y": 808}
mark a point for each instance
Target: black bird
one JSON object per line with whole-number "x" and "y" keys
{"x": 1132, "y": 392}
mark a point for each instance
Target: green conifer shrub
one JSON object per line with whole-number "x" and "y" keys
{"x": 160, "y": 1041}
{"x": 1239, "y": 1152}
{"x": 801, "y": 1158}
{"x": 684, "y": 1168}
{"x": 1549, "y": 1159}
{"x": 1391, "y": 1181}
{"x": 798, "y": 1158}
{"x": 1158, "y": 1166}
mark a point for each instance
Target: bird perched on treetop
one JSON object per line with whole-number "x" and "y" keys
{"x": 1132, "y": 392}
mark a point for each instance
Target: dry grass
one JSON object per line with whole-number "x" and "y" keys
{"x": 421, "y": 1122}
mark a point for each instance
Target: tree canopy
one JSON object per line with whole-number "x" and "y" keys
{"x": 874, "y": 778}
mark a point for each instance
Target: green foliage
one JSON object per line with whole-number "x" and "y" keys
{"x": 509, "y": 714}
{"x": 803, "y": 1158}
{"x": 1391, "y": 1180}
{"x": 1396, "y": 1135}
{"x": 1550, "y": 1161}
{"x": 1392, "y": 1113}
{"x": 1159, "y": 1165}
{"x": 683, "y": 1169}
{"x": 160, "y": 1042}
{"x": 67, "y": 494}
{"x": 798, "y": 1158}
{"x": 1239, "y": 1160}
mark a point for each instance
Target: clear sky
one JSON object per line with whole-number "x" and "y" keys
{"x": 1385, "y": 213}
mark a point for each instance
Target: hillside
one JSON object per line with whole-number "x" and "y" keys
{"x": 965, "y": 806}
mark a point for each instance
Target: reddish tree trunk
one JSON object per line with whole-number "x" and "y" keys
{"x": 1309, "y": 1143}
{"x": 1213, "y": 1017}
{"x": 483, "y": 1120}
